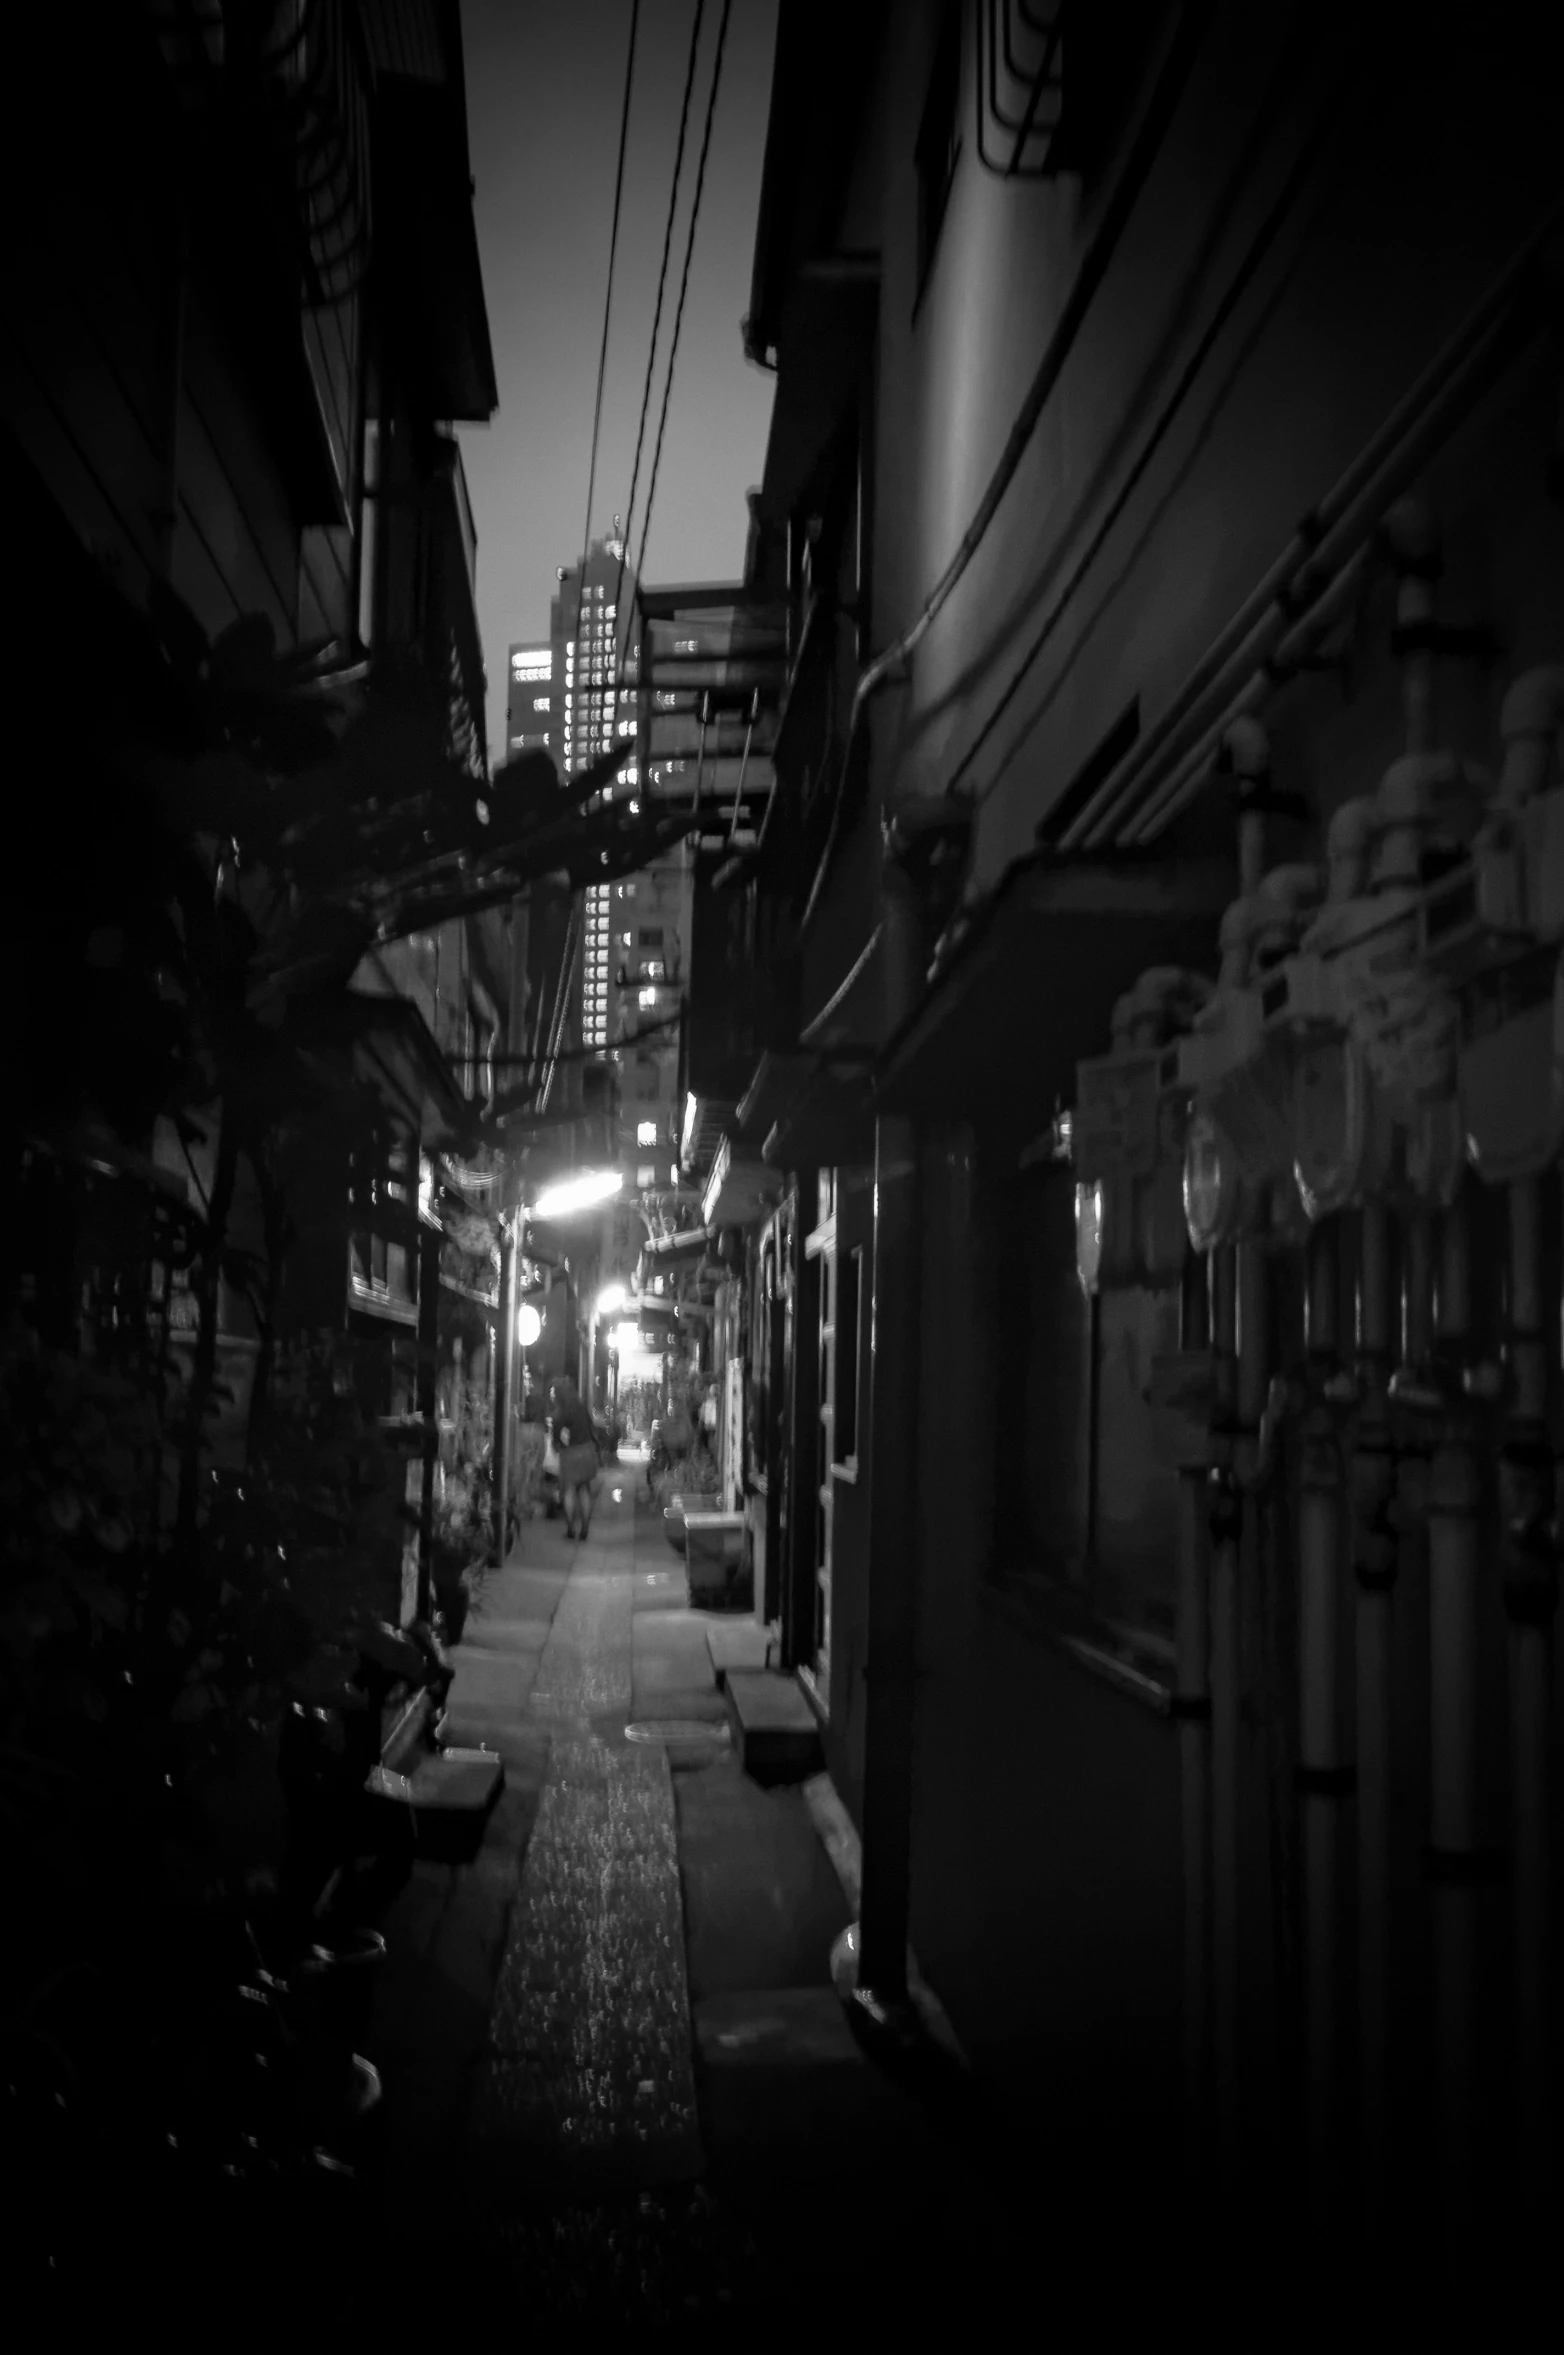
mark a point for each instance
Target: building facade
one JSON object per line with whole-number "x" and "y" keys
{"x": 1147, "y": 1571}
{"x": 593, "y": 653}
{"x": 228, "y": 436}
{"x": 529, "y": 703}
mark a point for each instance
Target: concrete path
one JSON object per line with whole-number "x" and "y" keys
{"x": 619, "y": 2085}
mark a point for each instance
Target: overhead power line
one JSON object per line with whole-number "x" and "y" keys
{"x": 657, "y": 314}
{"x": 608, "y": 291}
{"x": 558, "y": 1029}
{"x": 684, "y": 282}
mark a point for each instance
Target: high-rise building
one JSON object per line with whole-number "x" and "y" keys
{"x": 593, "y": 651}
{"x": 649, "y": 951}
{"x": 529, "y": 703}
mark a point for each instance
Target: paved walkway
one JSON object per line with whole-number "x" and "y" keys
{"x": 588, "y": 2075}
{"x": 619, "y": 2085}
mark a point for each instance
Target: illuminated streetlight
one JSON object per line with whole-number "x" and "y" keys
{"x": 578, "y": 1193}
{"x": 528, "y": 1326}
{"x": 612, "y": 1297}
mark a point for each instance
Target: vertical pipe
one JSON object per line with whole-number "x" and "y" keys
{"x": 1454, "y": 1495}
{"x": 1192, "y": 1708}
{"x": 1225, "y": 1527}
{"x": 1192, "y": 1703}
{"x": 1453, "y": 1567}
{"x": 1527, "y": 1485}
{"x": 1320, "y": 1763}
{"x": 429, "y": 1241}
{"x": 1417, "y": 1294}
{"x": 894, "y": 1357}
{"x": 1254, "y": 1358}
{"x": 1093, "y": 1425}
{"x": 798, "y": 1592}
{"x": 1375, "y": 1558}
{"x": 504, "y": 1335}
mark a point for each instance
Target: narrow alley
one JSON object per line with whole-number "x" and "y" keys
{"x": 800, "y": 767}
{"x": 616, "y": 2067}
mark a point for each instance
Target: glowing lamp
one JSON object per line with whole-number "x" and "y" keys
{"x": 578, "y": 1193}
{"x": 528, "y": 1326}
{"x": 1088, "y": 1236}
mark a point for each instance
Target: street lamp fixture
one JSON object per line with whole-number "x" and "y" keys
{"x": 577, "y": 1193}
{"x": 611, "y": 1297}
{"x": 528, "y": 1326}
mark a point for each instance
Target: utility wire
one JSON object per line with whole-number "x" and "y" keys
{"x": 608, "y": 292}
{"x": 572, "y": 934}
{"x": 557, "y": 1034}
{"x": 684, "y": 282}
{"x": 657, "y": 314}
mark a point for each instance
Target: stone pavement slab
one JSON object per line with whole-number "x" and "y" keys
{"x": 587, "y": 2077}
{"x": 762, "y": 1905}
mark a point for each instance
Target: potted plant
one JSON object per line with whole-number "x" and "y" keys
{"x": 463, "y": 1523}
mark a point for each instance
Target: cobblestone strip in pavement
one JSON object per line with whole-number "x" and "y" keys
{"x": 587, "y": 2082}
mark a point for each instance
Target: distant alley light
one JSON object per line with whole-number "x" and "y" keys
{"x": 578, "y": 1193}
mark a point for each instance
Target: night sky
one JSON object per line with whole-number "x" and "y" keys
{"x": 545, "y": 86}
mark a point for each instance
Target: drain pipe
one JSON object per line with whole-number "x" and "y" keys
{"x": 1530, "y": 1560}
{"x": 1192, "y": 1709}
{"x": 1443, "y": 1314}
{"x": 1530, "y": 723}
{"x": 869, "y": 1964}
{"x": 1239, "y": 1401}
{"x": 1225, "y": 1531}
{"x": 504, "y": 1330}
{"x": 1454, "y": 1494}
{"x": 1323, "y": 1775}
{"x": 1375, "y": 1559}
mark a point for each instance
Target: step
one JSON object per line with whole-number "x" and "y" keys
{"x": 714, "y": 1555}
{"x": 774, "y": 1729}
{"x": 717, "y": 1538}
{"x": 740, "y": 1644}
